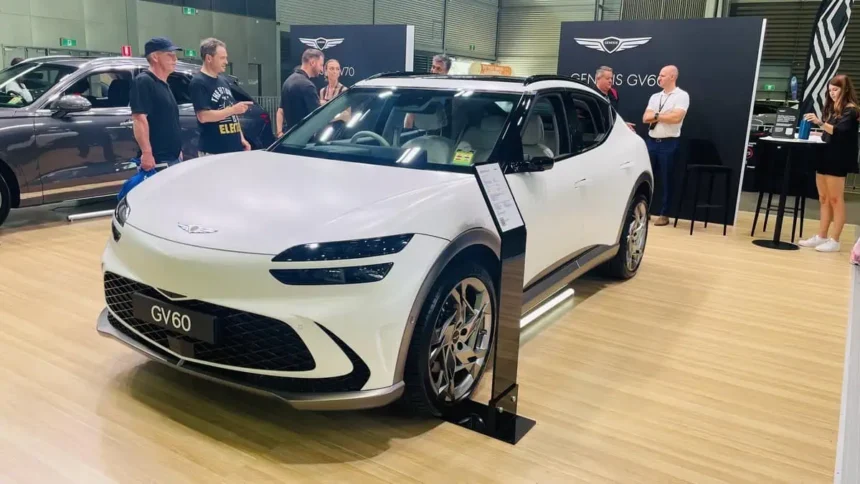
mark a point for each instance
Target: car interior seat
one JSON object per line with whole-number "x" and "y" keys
{"x": 482, "y": 138}
{"x": 119, "y": 93}
{"x": 533, "y": 139}
{"x": 439, "y": 149}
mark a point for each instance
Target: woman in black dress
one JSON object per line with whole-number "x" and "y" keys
{"x": 333, "y": 88}
{"x": 841, "y": 135}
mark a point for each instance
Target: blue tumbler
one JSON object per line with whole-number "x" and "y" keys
{"x": 805, "y": 128}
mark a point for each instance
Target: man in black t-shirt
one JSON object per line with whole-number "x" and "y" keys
{"x": 603, "y": 81}
{"x": 299, "y": 94}
{"x": 153, "y": 108}
{"x": 217, "y": 110}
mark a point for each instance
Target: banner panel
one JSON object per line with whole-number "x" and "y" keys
{"x": 718, "y": 63}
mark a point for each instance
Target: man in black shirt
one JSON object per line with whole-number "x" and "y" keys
{"x": 603, "y": 82}
{"x": 154, "y": 109}
{"x": 299, "y": 94}
{"x": 217, "y": 110}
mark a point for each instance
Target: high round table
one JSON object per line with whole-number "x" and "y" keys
{"x": 792, "y": 144}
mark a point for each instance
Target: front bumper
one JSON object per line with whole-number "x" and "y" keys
{"x": 322, "y": 347}
{"x": 109, "y": 326}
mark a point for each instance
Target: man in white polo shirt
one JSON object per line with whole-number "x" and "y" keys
{"x": 664, "y": 117}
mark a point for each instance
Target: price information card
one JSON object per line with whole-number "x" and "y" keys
{"x": 501, "y": 198}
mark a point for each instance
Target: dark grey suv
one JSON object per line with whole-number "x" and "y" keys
{"x": 66, "y": 130}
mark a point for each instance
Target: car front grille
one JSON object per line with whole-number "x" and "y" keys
{"x": 246, "y": 340}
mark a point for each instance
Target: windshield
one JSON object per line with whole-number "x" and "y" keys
{"x": 25, "y": 83}
{"x": 438, "y": 129}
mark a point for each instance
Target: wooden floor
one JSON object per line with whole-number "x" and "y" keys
{"x": 720, "y": 362}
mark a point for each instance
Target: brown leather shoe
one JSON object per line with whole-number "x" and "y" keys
{"x": 661, "y": 221}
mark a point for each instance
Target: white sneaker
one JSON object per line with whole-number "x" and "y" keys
{"x": 829, "y": 245}
{"x": 812, "y": 241}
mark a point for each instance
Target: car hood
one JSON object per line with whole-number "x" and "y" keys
{"x": 262, "y": 202}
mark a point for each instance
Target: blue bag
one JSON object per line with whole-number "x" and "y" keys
{"x": 135, "y": 179}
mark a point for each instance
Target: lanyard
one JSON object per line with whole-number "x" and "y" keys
{"x": 663, "y": 102}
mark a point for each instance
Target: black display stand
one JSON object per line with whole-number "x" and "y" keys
{"x": 499, "y": 418}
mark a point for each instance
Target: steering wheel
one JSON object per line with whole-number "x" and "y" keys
{"x": 373, "y": 135}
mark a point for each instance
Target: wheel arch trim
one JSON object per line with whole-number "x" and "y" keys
{"x": 470, "y": 238}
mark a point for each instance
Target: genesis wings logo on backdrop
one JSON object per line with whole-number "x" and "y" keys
{"x": 611, "y": 45}
{"x": 321, "y": 43}
{"x": 361, "y": 50}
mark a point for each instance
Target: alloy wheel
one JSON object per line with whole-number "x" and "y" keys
{"x": 460, "y": 342}
{"x": 637, "y": 233}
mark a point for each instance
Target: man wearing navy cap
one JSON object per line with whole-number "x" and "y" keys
{"x": 154, "y": 109}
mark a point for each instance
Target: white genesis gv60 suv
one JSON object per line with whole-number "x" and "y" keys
{"x": 355, "y": 263}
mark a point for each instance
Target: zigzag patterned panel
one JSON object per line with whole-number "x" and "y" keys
{"x": 825, "y": 51}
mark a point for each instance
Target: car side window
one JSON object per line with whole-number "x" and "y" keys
{"x": 545, "y": 131}
{"x": 180, "y": 85}
{"x": 587, "y": 121}
{"x": 109, "y": 89}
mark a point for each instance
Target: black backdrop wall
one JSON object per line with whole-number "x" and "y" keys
{"x": 718, "y": 62}
{"x": 362, "y": 50}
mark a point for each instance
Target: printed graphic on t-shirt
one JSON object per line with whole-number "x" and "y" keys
{"x": 214, "y": 94}
{"x": 222, "y": 98}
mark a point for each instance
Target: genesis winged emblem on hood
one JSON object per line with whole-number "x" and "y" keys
{"x": 196, "y": 229}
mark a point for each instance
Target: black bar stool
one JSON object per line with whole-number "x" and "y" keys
{"x": 712, "y": 171}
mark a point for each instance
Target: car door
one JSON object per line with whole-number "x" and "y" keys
{"x": 180, "y": 85}
{"x": 87, "y": 154}
{"x": 550, "y": 201}
{"x": 603, "y": 191}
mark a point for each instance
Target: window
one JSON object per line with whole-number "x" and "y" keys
{"x": 25, "y": 83}
{"x": 104, "y": 89}
{"x": 450, "y": 129}
{"x": 239, "y": 94}
{"x": 255, "y": 75}
{"x": 589, "y": 121}
{"x": 540, "y": 133}
{"x": 180, "y": 85}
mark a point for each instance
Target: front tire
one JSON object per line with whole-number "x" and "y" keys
{"x": 5, "y": 200}
{"x": 631, "y": 246}
{"x": 451, "y": 343}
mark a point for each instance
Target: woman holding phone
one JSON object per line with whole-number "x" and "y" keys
{"x": 840, "y": 125}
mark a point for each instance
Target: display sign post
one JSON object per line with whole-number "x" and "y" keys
{"x": 499, "y": 418}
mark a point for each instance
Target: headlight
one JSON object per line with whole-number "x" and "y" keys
{"x": 123, "y": 210}
{"x": 332, "y": 276}
{"x": 347, "y": 249}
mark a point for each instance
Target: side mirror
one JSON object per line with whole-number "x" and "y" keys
{"x": 71, "y": 104}
{"x": 534, "y": 164}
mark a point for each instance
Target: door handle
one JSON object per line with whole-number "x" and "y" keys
{"x": 127, "y": 124}
{"x": 627, "y": 164}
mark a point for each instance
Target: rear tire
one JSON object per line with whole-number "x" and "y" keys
{"x": 631, "y": 246}
{"x": 5, "y": 200}
{"x": 451, "y": 344}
